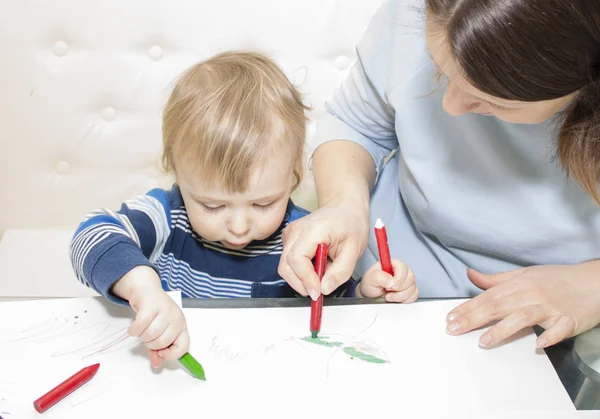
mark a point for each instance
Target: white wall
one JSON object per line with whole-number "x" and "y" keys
{"x": 82, "y": 84}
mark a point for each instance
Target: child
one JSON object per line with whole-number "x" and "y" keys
{"x": 233, "y": 135}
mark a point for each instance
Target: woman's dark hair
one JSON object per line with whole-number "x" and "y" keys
{"x": 535, "y": 50}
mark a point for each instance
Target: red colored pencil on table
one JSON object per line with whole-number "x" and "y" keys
{"x": 316, "y": 307}
{"x": 383, "y": 247}
{"x": 65, "y": 388}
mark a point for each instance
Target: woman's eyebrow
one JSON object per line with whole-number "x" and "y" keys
{"x": 439, "y": 74}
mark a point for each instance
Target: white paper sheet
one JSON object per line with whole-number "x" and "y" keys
{"x": 256, "y": 360}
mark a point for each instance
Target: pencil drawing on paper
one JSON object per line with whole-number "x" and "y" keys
{"x": 247, "y": 346}
{"x": 242, "y": 346}
{"x": 363, "y": 350}
{"x": 76, "y": 335}
{"x": 6, "y": 398}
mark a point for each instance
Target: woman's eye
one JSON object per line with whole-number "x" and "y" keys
{"x": 501, "y": 108}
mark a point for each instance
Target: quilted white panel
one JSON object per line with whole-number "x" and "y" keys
{"x": 82, "y": 84}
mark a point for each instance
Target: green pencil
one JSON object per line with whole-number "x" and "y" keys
{"x": 193, "y": 366}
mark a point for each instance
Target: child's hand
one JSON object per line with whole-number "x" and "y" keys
{"x": 401, "y": 288}
{"x": 159, "y": 322}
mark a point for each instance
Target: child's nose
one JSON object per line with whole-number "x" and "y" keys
{"x": 239, "y": 225}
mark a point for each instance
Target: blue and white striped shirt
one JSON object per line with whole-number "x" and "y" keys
{"x": 154, "y": 230}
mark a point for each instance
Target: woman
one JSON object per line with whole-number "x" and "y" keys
{"x": 493, "y": 109}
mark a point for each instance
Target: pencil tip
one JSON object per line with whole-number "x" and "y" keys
{"x": 379, "y": 223}
{"x": 314, "y": 334}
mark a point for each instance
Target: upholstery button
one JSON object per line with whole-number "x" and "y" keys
{"x": 109, "y": 113}
{"x": 342, "y": 62}
{"x": 60, "y": 48}
{"x": 155, "y": 52}
{"x": 63, "y": 168}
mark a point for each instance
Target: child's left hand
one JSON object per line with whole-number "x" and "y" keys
{"x": 400, "y": 288}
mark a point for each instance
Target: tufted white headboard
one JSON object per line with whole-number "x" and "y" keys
{"x": 82, "y": 85}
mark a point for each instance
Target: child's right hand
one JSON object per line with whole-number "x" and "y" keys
{"x": 159, "y": 322}
{"x": 400, "y": 288}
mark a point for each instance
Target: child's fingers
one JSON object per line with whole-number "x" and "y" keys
{"x": 409, "y": 295}
{"x": 155, "y": 329}
{"x": 382, "y": 280}
{"x": 400, "y": 270}
{"x": 179, "y": 347}
{"x": 414, "y": 297}
{"x": 156, "y": 360}
{"x": 403, "y": 276}
{"x": 374, "y": 282}
{"x": 142, "y": 321}
{"x": 165, "y": 339}
{"x": 408, "y": 282}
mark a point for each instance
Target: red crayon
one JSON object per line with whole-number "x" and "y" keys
{"x": 316, "y": 307}
{"x": 383, "y": 247}
{"x": 65, "y": 388}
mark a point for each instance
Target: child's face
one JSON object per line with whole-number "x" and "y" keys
{"x": 237, "y": 219}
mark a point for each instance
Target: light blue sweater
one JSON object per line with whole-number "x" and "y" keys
{"x": 468, "y": 191}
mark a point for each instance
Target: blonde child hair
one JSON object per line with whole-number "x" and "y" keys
{"x": 229, "y": 114}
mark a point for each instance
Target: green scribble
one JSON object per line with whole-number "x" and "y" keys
{"x": 348, "y": 350}
{"x": 322, "y": 341}
{"x": 353, "y": 352}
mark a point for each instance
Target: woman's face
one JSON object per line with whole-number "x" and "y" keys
{"x": 462, "y": 98}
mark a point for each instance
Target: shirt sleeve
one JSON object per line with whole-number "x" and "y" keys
{"x": 346, "y": 290}
{"x": 108, "y": 244}
{"x": 359, "y": 110}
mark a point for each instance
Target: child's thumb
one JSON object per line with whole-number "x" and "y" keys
{"x": 155, "y": 359}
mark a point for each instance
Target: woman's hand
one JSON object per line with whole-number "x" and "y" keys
{"x": 344, "y": 227}
{"x": 564, "y": 300}
{"x": 344, "y": 173}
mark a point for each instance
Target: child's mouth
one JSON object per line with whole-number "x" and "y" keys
{"x": 234, "y": 245}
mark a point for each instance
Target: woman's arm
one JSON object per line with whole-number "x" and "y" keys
{"x": 353, "y": 139}
{"x": 344, "y": 172}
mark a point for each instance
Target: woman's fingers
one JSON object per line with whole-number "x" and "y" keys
{"x": 490, "y": 310}
{"x": 563, "y": 327}
{"x": 519, "y": 319}
{"x": 341, "y": 268}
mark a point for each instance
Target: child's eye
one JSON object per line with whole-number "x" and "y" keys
{"x": 207, "y": 208}
{"x": 263, "y": 207}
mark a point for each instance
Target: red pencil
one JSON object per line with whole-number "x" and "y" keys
{"x": 316, "y": 307}
{"x": 383, "y": 247}
{"x": 65, "y": 388}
